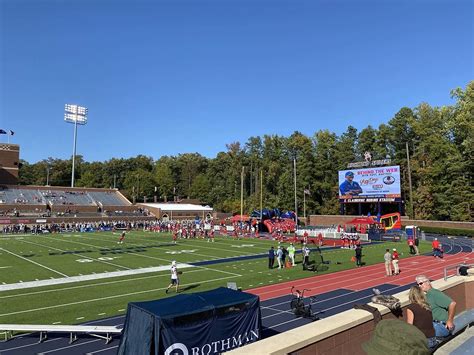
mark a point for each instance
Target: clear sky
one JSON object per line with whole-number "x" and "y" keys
{"x": 165, "y": 77}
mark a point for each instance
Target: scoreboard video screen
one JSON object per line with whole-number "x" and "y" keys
{"x": 380, "y": 184}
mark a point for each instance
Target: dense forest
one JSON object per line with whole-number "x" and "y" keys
{"x": 440, "y": 142}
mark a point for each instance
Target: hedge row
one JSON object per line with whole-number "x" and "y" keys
{"x": 449, "y": 231}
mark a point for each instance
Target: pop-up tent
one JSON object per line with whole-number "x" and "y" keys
{"x": 210, "y": 322}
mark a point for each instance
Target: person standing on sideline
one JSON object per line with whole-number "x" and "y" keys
{"x": 291, "y": 253}
{"x": 174, "y": 277}
{"x": 435, "y": 246}
{"x": 358, "y": 255}
{"x": 411, "y": 244}
{"x": 279, "y": 256}
{"x": 388, "y": 262}
{"x": 306, "y": 252}
{"x": 395, "y": 258}
{"x": 443, "y": 308}
{"x": 271, "y": 258}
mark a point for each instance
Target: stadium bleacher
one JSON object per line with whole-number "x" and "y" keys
{"x": 58, "y": 197}
{"x": 21, "y": 197}
{"x": 108, "y": 198}
{"x": 46, "y": 201}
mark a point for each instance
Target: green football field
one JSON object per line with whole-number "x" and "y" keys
{"x": 73, "y": 278}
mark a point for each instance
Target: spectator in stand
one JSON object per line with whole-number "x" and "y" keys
{"x": 388, "y": 262}
{"x": 396, "y": 337}
{"x": 395, "y": 258}
{"x": 443, "y": 308}
{"x": 419, "y": 314}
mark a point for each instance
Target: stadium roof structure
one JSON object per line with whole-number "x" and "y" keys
{"x": 168, "y": 207}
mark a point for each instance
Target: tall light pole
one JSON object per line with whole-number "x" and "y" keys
{"x": 409, "y": 183}
{"x": 77, "y": 115}
{"x": 296, "y": 202}
{"x": 242, "y": 195}
{"x": 47, "y": 175}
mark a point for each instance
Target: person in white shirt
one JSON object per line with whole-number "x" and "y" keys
{"x": 174, "y": 277}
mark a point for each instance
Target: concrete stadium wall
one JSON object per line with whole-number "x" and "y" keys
{"x": 328, "y": 220}
{"x": 345, "y": 332}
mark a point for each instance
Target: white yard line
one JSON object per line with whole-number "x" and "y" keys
{"x": 70, "y": 279}
{"x": 133, "y": 279}
{"x": 127, "y": 242}
{"x": 34, "y": 262}
{"x": 130, "y": 253}
{"x": 105, "y": 298}
{"x": 79, "y": 254}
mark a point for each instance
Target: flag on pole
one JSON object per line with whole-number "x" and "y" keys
{"x": 11, "y": 133}
{"x": 2, "y": 131}
{"x": 307, "y": 192}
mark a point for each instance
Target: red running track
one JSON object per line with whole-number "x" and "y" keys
{"x": 367, "y": 276}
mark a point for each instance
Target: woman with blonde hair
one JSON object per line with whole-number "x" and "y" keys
{"x": 419, "y": 314}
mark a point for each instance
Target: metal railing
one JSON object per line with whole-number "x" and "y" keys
{"x": 454, "y": 267}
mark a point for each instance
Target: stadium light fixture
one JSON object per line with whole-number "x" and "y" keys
{"x": 77, "y": 115}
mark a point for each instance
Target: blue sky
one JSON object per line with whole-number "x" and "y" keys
{"x": 170, "y": 77}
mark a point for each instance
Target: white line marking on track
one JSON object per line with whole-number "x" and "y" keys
{"x": 101, "y": 351}
{"x": 69, "y": 347}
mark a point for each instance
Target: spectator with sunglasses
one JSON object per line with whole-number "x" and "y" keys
{"x": 443, "y": 308}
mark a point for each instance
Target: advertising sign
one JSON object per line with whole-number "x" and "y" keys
{"x": 381, "y": 184}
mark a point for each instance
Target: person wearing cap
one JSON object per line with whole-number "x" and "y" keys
{"x": 394, "y": 336}
{"x": 443, "y": 308}
{"x": 174, "y": 277}
{"x": 350, "y": 187}
{"x": 435, "y": 247}
{"x": 306, "y": 251}
{"x": 395, "y": 258}
{"x": 291, "y": 253}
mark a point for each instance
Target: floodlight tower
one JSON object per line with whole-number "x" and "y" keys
{"x": 77, "y": 115}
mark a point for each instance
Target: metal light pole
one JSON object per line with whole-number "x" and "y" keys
{"x": 241, "y": 195}
{"x": 304, "y": 205}
{"x": 47, "y": 175}
{"x": 296, "y": 202}
{"x": 409, "y": 183}
{"x": 77, "y": 115}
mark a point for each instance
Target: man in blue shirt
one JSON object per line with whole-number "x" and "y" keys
{"x": 350, "y": 187}
{"x": 271, "y": 258}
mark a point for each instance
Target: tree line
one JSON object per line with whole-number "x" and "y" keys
{"x": 440, "y": 143}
